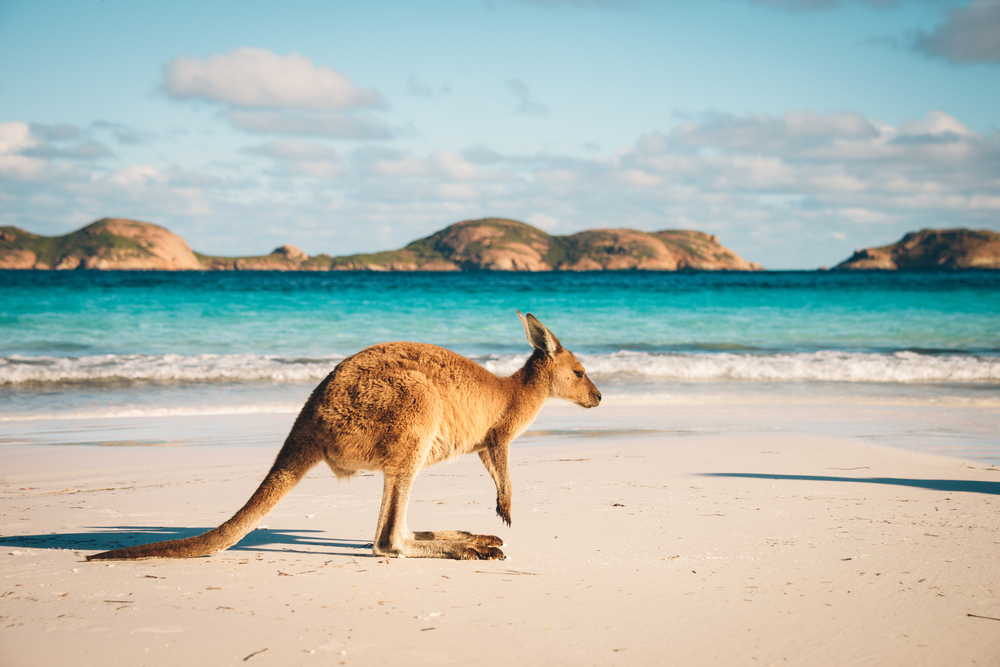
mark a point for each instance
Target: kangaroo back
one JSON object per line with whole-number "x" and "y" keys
{"x": 288, "y": 469}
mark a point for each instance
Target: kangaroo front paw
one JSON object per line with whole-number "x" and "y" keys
{"x": 482, "y": 553}
{"x": 503, "y": 511}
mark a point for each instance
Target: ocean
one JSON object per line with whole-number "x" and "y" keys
{"x": 89, "y": 357}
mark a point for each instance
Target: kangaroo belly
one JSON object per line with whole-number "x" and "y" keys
{"x": 444, "y": 448}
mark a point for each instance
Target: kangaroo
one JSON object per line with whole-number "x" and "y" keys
{"x": 399, "y": 407}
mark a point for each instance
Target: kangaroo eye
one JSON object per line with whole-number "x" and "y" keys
{"x": 579, "y": 374}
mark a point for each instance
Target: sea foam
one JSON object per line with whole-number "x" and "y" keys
{"x": 110, "y": 368}
{"x": 623, "y": 366}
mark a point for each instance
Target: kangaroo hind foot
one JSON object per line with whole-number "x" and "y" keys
{"x": 459, "y": 545}
{"x": 470, "y": 545}
{"x": 459, "y": 536}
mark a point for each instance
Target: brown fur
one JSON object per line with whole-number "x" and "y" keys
{"x": 399, "y": 407}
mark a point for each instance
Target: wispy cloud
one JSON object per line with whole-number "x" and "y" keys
{"x": 772, "y": 186}
{"x": 807, "y": 5}
{"x": 526, "y": 102}
{"x": 419, "y": 88}
{"x": 971, "y": 34}
{"x": 58, "y": 132}
{"x": 32, "y": 151}
{"x": 15, "y": 139}
{"x": 614, "y": 4}
{"x": 122, "y": 133}
{"x": 331, "y": 124}
{"x": 62, "y": 141}
{"x": 293, "y": 157}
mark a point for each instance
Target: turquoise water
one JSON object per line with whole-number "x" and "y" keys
{"x": 114, "y": 344}
{"x": 73, "y": 314}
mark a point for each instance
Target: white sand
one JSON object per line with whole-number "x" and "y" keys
{"x": 716, "y": 549}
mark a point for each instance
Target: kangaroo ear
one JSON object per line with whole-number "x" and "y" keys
{"x": 539, "y": 337}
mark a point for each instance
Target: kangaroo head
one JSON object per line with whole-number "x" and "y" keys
{"x": 569, "y": 378}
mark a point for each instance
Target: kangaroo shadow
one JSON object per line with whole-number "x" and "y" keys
{"x": 948, "y": 485}
{"x": 105, "y": 539}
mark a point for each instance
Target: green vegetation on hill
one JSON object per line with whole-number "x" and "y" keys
{"x": 572, "y": 249}
{"x": 92, "y": 240}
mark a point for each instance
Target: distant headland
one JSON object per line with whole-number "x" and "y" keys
{"x": 489, "y": 244}
{"x": 931, "y": 249}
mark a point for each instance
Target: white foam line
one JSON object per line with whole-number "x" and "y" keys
{"x": 130, "y": 413}
{"x": 610, "y": 399}
{"x": 822, "y": 366}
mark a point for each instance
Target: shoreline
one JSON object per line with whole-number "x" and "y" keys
{"x": 956, "y": 426}
{"x": 629, "y": 548}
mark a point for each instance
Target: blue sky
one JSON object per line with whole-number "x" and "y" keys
{"x": 796, "y": 130}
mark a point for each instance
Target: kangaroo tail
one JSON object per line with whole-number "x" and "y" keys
{"x": 286, "y": 472}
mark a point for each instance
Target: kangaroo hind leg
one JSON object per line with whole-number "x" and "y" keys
{"x": 393, "y": 538}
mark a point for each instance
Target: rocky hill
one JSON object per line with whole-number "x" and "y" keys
{"x": 495, "y": 244}
{"x": 931, "y": 249}
{"x": 491, "y": 244}
{"x": 108, "y": 244}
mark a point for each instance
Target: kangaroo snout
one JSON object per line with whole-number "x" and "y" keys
{"x": 593, "y": 400}
{"x": 597, "y": 399}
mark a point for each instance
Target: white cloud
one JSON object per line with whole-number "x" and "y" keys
{"x": 30, "y": 151}
{"x": 50, "y": 190}
{"x": 262, "y": 92}
{"x": 14, "y": 138}
{"x": 257, "y": 78}
{"x": 777, "y": 189}
{"x": 936, "y": 125}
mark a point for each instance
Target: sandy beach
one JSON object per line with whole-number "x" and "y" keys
{"x": 630, "y": 546}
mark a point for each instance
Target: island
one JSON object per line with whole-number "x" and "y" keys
{"x": 489, "y": 244}
{"x": 930, "y": 249}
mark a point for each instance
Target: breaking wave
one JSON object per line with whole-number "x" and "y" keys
{"x": 114, "y": 368}
{"x": 822, "y": 366}
{"x": 624, "y": 367}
